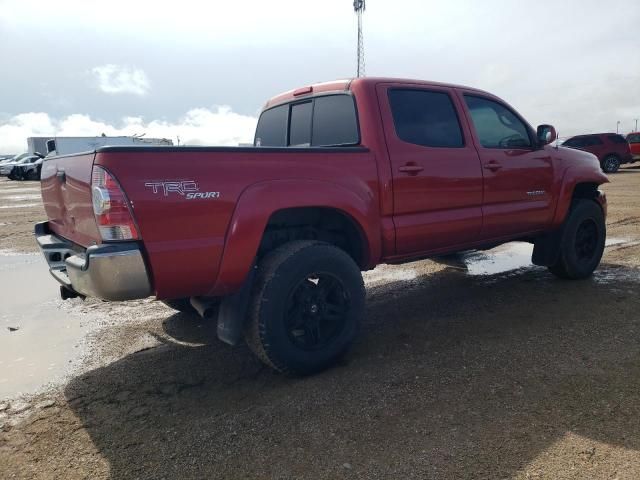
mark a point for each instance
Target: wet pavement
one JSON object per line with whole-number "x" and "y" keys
{"x": 40, "y": 338}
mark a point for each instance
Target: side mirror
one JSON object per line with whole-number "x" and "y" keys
{"x": 546, "y": 134}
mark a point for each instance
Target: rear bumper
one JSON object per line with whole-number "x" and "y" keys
{"x": 114, "y": 271}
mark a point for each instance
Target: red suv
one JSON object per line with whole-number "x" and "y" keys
{"x": 611, "y": 149}
{"x": 634, "y": 144}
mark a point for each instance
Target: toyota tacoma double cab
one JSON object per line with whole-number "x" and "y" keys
{"x": 270, "y": 241}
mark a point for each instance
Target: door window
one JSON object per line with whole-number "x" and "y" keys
{"x": 496, "y": 125}
{"x": 425, "y": 118}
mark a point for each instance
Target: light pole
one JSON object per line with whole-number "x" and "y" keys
{"x": 636, "y": 125}
{"x": 618, "y": 127}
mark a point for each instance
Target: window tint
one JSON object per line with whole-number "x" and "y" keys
{"x": 496, "y": 126}
{"x": 590, "y": 141}
{"x": 634, "y": 138}
{"x": 272, "y": 127}
{"x": 300, "y": 125}
{"x": 617, "y": 138}
{"x": 425, "y": 118}
{"x": 573, "y": 142}
{"x": 334, "y": 121}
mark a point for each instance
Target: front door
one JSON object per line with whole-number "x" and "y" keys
{"x": 518, "y": 174}
{"x": 437, "y": 177}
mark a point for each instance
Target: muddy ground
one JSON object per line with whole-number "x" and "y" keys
{"x": 513, "y": 375}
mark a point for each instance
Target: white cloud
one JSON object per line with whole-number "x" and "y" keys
{"x": 199, "y": 126}
{"x": 116, "y": 79}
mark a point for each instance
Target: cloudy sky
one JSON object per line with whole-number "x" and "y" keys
{"x": 202, "y": 70}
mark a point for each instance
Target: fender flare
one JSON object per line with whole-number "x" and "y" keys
{"x": 258, "y": 202}
{"x": 572, "y": 177}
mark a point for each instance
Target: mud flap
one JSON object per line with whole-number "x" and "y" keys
{"x": 546, "y": 248}
{"x": 233, "y": 312}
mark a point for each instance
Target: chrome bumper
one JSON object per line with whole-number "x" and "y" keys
{"x": 113, "y": 271}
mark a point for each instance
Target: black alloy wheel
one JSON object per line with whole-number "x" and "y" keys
{"x": 316, "y": 311}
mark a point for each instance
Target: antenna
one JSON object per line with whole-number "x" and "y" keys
{"x": 359, "y": 7}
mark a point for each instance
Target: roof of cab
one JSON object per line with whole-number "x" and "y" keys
{"x": 346, "y": 85}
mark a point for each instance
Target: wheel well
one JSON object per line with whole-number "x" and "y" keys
{"x": 586, "y": 190}
{"x": 315, "y": 223}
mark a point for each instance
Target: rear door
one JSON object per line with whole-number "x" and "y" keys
{"x": 518, "y": 175}
{"x": 437, "y": 179}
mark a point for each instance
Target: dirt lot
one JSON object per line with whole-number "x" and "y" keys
{"x": 514, "y": 375}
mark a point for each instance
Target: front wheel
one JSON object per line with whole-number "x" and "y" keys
{"x": 306, "y": 305}
{"x": 582, "y": 242}
{"x": 611, "y": 164}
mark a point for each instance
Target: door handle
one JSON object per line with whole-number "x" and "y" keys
{"x": 411, "y": 169}
{"x": 492, "y": 165}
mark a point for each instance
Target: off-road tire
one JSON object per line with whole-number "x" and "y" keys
{"x": 610, "y": 164}
{"x": 574, "y": 260}
{"x": 280, "y": 275}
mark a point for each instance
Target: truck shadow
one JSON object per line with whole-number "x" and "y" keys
{"x": 453, "y": 377}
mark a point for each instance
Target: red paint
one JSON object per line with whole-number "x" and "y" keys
{"x": 408, "y": 201}
{"x": 604, "y": 146}
{"x": 634, "y": 145}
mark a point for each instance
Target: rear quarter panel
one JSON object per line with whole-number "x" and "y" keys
{"x": 185, "y": 238}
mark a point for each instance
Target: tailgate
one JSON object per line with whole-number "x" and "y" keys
{"x": 66, "y": 194}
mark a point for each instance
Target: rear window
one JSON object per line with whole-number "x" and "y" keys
{"x": 334, "y": 121}
{"x": 323, "y": 121}
{"x": 272, "y": 127}
{"x": 425, "y": 118}
{"x": 617, "y": 139}
{"x": 300, "y": 124}
{"x": 634, "y": 138}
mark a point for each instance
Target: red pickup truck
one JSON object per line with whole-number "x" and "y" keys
{"x": 271, "y": 240}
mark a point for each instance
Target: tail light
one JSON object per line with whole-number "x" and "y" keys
{"x": 111, "y": 207}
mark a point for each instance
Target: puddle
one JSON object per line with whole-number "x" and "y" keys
{"x": 48, "y": 341}
{"x": 388, "y": 273}
{"x": 613, "y": 241}
{"x": 511, "y": 256}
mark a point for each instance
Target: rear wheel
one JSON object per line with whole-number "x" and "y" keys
{"x": 610, "y": 164}
{"x": 306, "y": 305}
{"x": 582, "y": 243}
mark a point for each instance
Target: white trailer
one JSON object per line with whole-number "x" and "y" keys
{"x": 69, "y": 145}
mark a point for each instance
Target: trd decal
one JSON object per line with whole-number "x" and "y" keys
{"x": 186, "y": 188}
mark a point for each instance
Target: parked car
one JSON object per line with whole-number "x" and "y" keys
{"x": 611, "y": 149}
{"x": 7, "y": 168}
{"x": 14, "y": 158}
{"x": 634, "y": 145}
{"x": 270, "y": 240}
{"x": 27, "y": 170}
